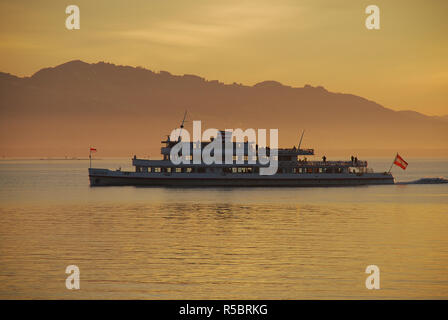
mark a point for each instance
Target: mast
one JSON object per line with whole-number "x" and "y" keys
{"x": 182, "y": 126}
{"x": 300, "y": 142}
{"x": 393, "y": 163}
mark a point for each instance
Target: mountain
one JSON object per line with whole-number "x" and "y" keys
{"x": 444, "y": 118}
{"x": 123, "y": 110}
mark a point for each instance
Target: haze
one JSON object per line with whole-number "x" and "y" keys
{"x": 402, "y": 66}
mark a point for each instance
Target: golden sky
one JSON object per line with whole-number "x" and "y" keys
{"x": 403, "y": 65}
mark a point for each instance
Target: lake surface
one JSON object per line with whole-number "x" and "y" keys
{"x": 242, "y": 243}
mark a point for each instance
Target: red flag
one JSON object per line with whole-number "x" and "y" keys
{"x": 399, "y": 161}
{"x": 92, "y": 149}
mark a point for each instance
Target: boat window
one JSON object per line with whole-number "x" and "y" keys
{"x": 178, "y": 169}
{"x": 157, "y": 170}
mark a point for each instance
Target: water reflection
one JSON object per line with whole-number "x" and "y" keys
{"x": 158, "y": 243}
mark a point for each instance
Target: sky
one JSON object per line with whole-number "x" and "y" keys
{"x": 402, "y": 66}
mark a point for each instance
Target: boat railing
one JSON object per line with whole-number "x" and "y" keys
{"x": 358, "y": 163}
{"x": 293, "y": 163}
{"x": 304, "y": 152}
{"x": 301, "y": 152}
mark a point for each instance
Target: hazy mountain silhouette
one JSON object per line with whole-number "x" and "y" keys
{"x": 124, "y": 110}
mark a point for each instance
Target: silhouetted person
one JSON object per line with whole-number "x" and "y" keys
{"x": 353, "y": 159}
{"x": 356, "y": 160}
{"x": 324, "y": 159}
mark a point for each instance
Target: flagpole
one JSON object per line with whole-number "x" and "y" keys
{"x": 90, "y": 156}
{"x": 393, "y": 162}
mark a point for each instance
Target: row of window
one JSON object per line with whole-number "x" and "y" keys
{"x": 236, "y": 170}
{"x": 245, "y": 158}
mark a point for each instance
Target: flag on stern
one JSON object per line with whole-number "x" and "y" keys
{"x": 90, "y": 155}
{"x": 399, "y": 161}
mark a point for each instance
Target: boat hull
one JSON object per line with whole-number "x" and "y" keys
{"x": 103, "y": 177}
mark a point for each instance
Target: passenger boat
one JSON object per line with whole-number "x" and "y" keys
{"x": 294, "y": 170}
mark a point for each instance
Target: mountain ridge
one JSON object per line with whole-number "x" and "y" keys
{"x": 115, "y": 104}
{"x": 262, "y": 84}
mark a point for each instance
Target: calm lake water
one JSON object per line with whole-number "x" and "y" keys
{"x": 263, "y": 243}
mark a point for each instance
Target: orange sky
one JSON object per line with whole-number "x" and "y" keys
{"x": 402, "y": 66}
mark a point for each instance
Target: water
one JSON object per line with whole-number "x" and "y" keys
{"x": 263, "y": 243}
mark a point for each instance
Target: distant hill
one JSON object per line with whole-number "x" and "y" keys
{"x": 124, "y": 110}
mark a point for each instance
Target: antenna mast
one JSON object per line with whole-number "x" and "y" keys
{"x": 300, "y": 142}
{"x": 182, "y": 126}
